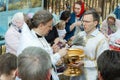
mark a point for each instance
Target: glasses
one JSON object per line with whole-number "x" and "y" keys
{"x": 85, "y": 21}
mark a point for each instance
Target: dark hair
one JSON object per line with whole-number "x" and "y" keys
{"x": 33, "y": 64}
{"x": 26, "y": 18}
{"x": 39, "y": 17}
{"x": 8, "y": 62}
{"x": 78, "y": 2}
{"x": 65, "y": 15}
{"x": 109, "y": 65}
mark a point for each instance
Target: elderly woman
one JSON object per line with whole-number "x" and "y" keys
{"x": 110, "y": 25}
{"x": 12, "y": 36}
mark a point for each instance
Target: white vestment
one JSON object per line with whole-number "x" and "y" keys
{"x": 95, "y": 44}
{"x": 29, "y": 38}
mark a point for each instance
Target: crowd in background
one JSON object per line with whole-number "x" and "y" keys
{"x": 36, "y": 43}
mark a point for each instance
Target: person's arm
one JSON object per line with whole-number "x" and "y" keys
{"x": 72, "y": 26}
{"x": 101, "y": 46}
{"x": 55, "y": 57}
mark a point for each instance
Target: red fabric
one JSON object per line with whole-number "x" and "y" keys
{"x": 114, "y": 48}
{"x": 82, "y": 8}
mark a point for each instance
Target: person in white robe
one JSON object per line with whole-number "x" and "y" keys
{"x": 40, "y": 25}
{"x": 12, "y": 36}
{"x": 94, "y": 44}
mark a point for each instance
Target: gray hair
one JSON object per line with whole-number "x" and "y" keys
{"x": 39, "y": 17}
{"x": 34, "y": 64}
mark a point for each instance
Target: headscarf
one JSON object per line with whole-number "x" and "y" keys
{"x": 111, "y": 15}
{"x": 18, "y": 19}
{"x": 82, "y": 7}
{"x": 112, "y": 28}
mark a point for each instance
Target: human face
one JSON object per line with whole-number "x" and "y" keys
{"x": 77, "y": 9}
{"x": 45, "y": 29}
{"x": 89, "y": 24}
{"x": 111, "y": 22}
{"x": 19, "y": 24}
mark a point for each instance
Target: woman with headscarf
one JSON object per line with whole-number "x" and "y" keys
{"x": 76, "y": 15}
{"x": 12, "y": 36}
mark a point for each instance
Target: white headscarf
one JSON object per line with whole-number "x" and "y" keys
{"x": 18, "y": 19}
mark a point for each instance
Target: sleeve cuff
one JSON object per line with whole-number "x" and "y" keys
{"x": 55, "y": 57}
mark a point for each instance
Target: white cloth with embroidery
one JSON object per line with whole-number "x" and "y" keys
{"x": 94, "y": 46}
{"x": 29, "y": 38}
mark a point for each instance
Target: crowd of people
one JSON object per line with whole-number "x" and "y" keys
{"x": 36, "y": 44}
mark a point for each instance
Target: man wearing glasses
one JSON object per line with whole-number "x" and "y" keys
{"x": 94, "y": 44}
